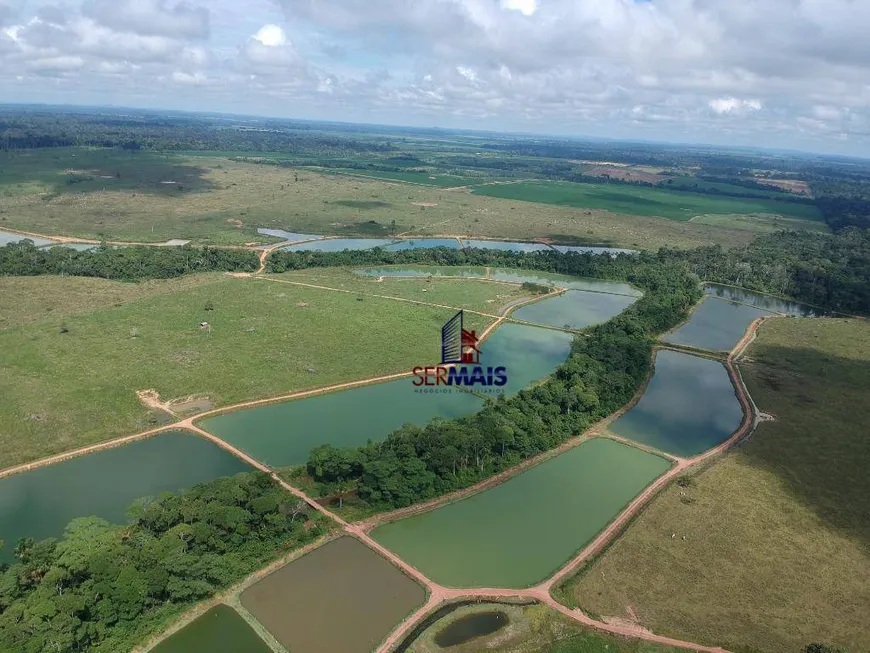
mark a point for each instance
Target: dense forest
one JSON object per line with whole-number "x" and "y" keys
{"x": 124, "y": 263}
{"x": 105, "y": 587}
{"x": 829, "y": 271}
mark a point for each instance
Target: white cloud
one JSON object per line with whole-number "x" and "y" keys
{"x": 525, "y": 7}
{"x": 271, "y": 36}
{"x": 190, "y": 79}
{"x": 150, "y": 17}
{"x": 467, "y": 72}
{"x": 734, "y": 105}
{"x": 785, "y": 72}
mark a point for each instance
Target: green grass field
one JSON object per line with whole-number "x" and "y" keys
{"x": 768, "y": 549}
{"x": 63, "y": 390}
{"x": 33, "y": 299}
{"x": 224, "y": 202}
{"x": 640, "y": 200}
{"x": 434, "y": 179}
{"x": 483, "y": 296}
{"x": 691, "y": 183}
{"x": 759, "y": 223}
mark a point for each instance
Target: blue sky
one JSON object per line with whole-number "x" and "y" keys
{"x": 778, "y": 73}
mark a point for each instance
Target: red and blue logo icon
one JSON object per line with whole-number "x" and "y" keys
{"x": 460, "y": 361}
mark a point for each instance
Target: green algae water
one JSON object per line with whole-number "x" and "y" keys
{"x": 529, "y": 353}
{"x": 520, "y": 532}
{"x": 574, "y": 309}
{"x": 689, "y": 406}
{"x": 284, "y": 434}
{"x": 716, "y": 324}
{"x": 422, "y": 243}
{"x": 505, "y": 245}
{"x": 220, "y": 630}
{"x": 759, "y": 300}
{"x": 338, "y": 245}
{"x": 41, "y": 502}
{"x": 340, "y": 597}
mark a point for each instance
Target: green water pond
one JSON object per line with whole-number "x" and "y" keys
{"x": 219, "y": 630}
{"x": 342, "y": 597}
{"x": 520, "y": 532}
{"x": 575, "y": 309}
{"x": 716, "y": 325}
{"x": 39, "y": 503}
{"x": 759, "y": 300}
{"x": 688, "y": 407}
{"x": 284, "y": 434}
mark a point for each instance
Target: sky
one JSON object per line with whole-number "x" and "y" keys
{"x": 772, "y": 73}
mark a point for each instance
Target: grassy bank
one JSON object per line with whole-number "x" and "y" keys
{"x": 70, "y": 380}
{"x": 766, "y": 550}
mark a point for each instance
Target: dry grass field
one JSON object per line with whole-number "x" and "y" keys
{"x": 212, "y": 200}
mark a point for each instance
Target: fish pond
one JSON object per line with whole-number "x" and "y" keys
{"x": 340, "y": 597}
{"x": 688, "y": 407}
{"x": 520, "y": 532}
{"x": 422, "y": 243}
{"x": 337, "y": 245}
{"x": 574, "y": 309}
{"x": 471, "y": 626}
{"x": 505, "y": 245}
{"x": 284, "y": 434}
{"x": 7, "y": 237}
{"x": 529, "y": 353}
{"x": 581, "y": 249}
{"x": 40, "y": 503}
{"x": 716, "y": 325}
{"x": 290, "y": 236}
{"x": 758, "y": 300}
{"x": 220, "y": 630}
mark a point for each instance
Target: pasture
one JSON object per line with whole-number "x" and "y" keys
{"x": 641, "y": 200}
{"x": 71, "y": 380}
{"x": 766, "y": 550}
{"x": 76, "y": 192}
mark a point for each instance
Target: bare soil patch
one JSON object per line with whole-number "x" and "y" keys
{"x": 796, "y": 186}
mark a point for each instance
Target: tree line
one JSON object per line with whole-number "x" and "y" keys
{"x": 124, "y": 263}
{"x": 105, "y": 587}
{"x": 831, "y": 271}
